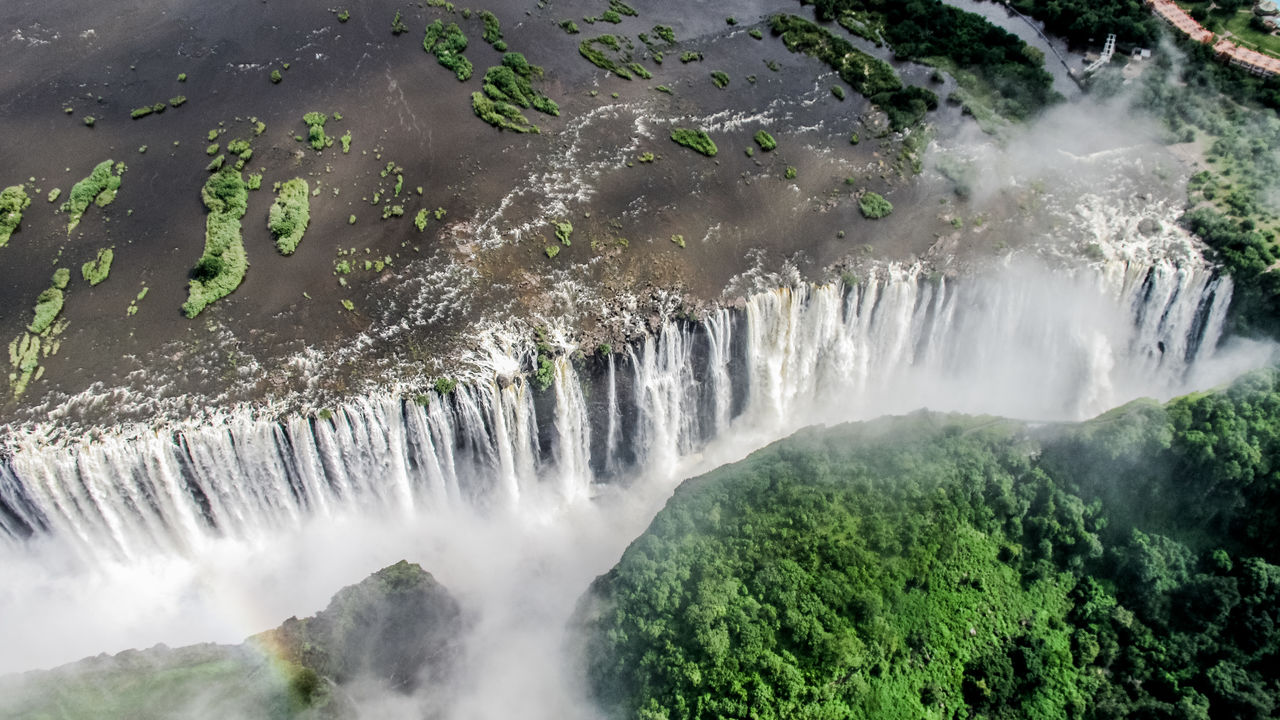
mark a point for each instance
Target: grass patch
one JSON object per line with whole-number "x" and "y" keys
{"x": 13, "y": 200}
{"x": 569, "y": 27}
{"x": 97, "y": 270}
{"x": 508, "y": 87}
{"x": 222, "y": 266}
{"x": 697, "y": 140}
{"x": 397, "y": 25}
{"x": 665, "y": 32}
{"x": 49, "y": 303}
{"x": 447, "y": 43}
{"x": 720, "y": 79}
{"x": 874, "y": 206}
{"x": 290, "y": 214}
{"x": 99, "y": 188}
{"x": 765, "y": 141}
{"x": 689, "y": 56}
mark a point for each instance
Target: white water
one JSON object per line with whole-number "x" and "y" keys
{"x": 216, "y": 532}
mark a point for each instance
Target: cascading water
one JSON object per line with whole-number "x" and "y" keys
{"x": 1019, "y": 340}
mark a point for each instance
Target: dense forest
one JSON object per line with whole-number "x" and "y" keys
{"x": 948, "y": 566}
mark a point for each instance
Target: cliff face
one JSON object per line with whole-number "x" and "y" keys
{"x": 398, "y": 626}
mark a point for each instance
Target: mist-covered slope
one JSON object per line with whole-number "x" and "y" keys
{"x": 955, "y": 566}
{"x": 395, "y": 632}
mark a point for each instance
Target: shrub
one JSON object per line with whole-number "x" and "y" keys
{"x": 791, "y": 172}
{"x": 420, "y": 220}
{"x": 563, "y": 230}
{"x": 569, "y": 26}
{"x": 397, "y": 25}
{"x": 448, "y": 44}
{"x": 552, "y": 250}
{"x": 89, "y": 121}
{"x": 694, "y": 139}
{"x": 140, "y": 112}
{"x": 290, "y": 214}
{"x": 223, "y": 264}
{"x": 13, "y": 200}
{"x": 592, "y": 50}
{"x": 690, "y": 56}
{"x": 874, "y": 206}
{"x": 178, "y": 101}
{"x": 275, "y": 76}
{"x": 48, "y": 307}
{"x": 765, "y": 140}
{"x": 665, "y": 32}
{"x": 492, "y": 28}
{"x": 99, "y": 188}
{"x": 838, "y": 92}
{"x": 315, "y": 130}
{"x": 344, "y": 16}
{"x": 721, "y": 79}
{"x": 97, "y": 270}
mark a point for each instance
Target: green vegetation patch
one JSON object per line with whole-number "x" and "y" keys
{"x": 290, "y": 214}
{"x": 765, "y": 140}
{"x": 508, "y": 87}
{"x": 593, "y": 49}
{"x": 492, "y": 28}
{"x": 223, "y": 264}
{"x": 569, "y": 27}
{"x": 397, "y": 25}
{"x": 99, "y": 188}
{"x": 874, "y": 206}
{"x": 947, "y": 566}
{"x": 447, "y": 43}
{"x": 315, "y": 130}
{"x": 871, "y": 77}
{"x": 97, "y": 269}
{"x": 564, "y": 229}
{"x": 720, "y": 79}
{"x": 49, "y": 303}
{"x": 13, "y": 200}
{"x": 695, "y": 139}
{"x": 665, "y": 32}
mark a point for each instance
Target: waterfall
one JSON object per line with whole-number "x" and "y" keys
{"x": 1021, "y": 341}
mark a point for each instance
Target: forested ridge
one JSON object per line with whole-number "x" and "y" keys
{"x": 960, "y": 567}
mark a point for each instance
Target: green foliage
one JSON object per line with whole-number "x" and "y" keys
{"x": 99, "y": 188}
{"x": 390, "y": 211}
{"x": 223, "y": 264}
{"x": 420, "y": 220}
{"x": 663, "y": 89}
{"x": 874, "y": 206}
{"x": 315, "y": 130}
{"x": 1082, "y": 21}
{"x": 569, "y": 27}
{"x": 140, "y": 112}
{"x": 254, "y": 181}
{"x": 665, "y": 32}
{"x": 178, "y": 100}
{"x": 89, "y": 121}
{"x": 182, "y": 77}
{"x": 941, "y": 566}
{"x": 838, "y": 92}
{"x": 678, "y": 240}
{"x": 593, "y": 50}
{"x": 49, "y": 305}
{"x": 552, "y": 250}
{"x": 13, "y": 200}
{"x": 622, "y": 8}
{"x": 756, "y": 33}
{"x": 720, "y": 79}
{"x": 276, "y": 77}
{"x": 689, "y": 56}
{"x": 445, "y": 386}
{"x": 996, "y": 64}
{"x": 97, "y": 270}
{"x": 492, "y": 28}
{"x": 501, "y": 115}
{"x": 289, "y": 215}
{"x": 564, "y": 229}
{"x": 694, "y": 139}
{"x": 791, "y": 172}
{"x": 448, "y": 44}
{"x": 344, "y": 16}
{"x": 397, "y": 25}
{"x": 765, "y": 140}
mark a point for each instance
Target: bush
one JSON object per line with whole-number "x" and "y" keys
{"x": 447, "y": 44}
{"x": 874, "y": 206}
{"x": 223, "y": 264}
{"x": 315, "y": 130}
{"x": 99, "y": 188}
{"x": 720, "y": 79}
{"x": 765, "y": 140}
{"x": 694, "y": 139}
{"x": 290, "y": 214}
{"x": 564, "y": 229}
{"x": 275, "y": 76}
{"x": 13, "y": 200}
{"x": 397, "y": 25}
{"x": 97, "y": 270}
{"x": 492, "y": 28}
